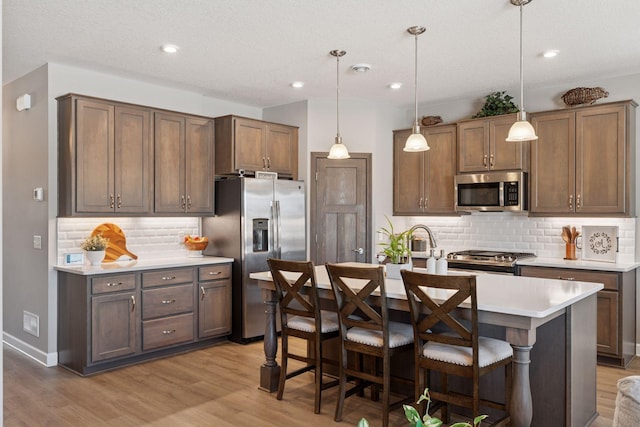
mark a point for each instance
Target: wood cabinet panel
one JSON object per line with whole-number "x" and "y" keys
{"x": 105, "y": 284}
{"x": 214, "y": 312}
{"x": 582, "y": 162}
{"x": 171, "y": 276}
{"x": 113, "y": 326}
{"x": 423, "y": 182}
{"x": 250, "y": 145}
{"x": 169, "y": 162}
{"x": 214, "y": 272}
{"x": 167, "y": 331}
{"x": 473, "y": 146}
{"x": 199, "y": 166}
{"x": 608, "y": 322}
{"x": 167, "y": 301}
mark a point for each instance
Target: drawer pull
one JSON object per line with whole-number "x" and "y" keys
{"x": 115, "y": 284}
{"x": 214, "y": 273}
{"x": 566, "y": 278}
{"x": 168, "y": 332}
{"x": 133, "y": 301}
{"x": 168, "y": 301}
{"x": 168, "y": 277}
{"x": 202, "y": 292}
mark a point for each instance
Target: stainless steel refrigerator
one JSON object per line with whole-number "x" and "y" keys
{"x": 255, "y": 219}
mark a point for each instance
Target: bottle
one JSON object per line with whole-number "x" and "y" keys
{"x": 441, "y": 264}
{"x": 431, "y": 263}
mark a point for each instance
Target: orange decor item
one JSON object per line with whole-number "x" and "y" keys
{"x": 117, "y": 242}
{"x": 195, "y": 243}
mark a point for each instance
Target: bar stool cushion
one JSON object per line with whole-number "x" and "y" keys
{"x": 490, "y": 351}
{"x": 399, "y": 334}
{"x": 627, "y": 412}
{"x": 329, "y": 322}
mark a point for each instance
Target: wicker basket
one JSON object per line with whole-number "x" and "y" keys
{"x": 584, "y": 95}
{"x": 431, "y": 120}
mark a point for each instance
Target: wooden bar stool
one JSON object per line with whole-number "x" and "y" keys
{"x": 445, "y": 345}
{"x": 366, "y": 330}
{"x": 301, "y": 317}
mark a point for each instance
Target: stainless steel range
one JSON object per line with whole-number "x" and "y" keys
{"x": 486, "y": 260}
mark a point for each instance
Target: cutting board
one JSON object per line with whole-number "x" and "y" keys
{"x": 117, "y": 242}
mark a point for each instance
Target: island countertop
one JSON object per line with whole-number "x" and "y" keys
{"x": 138, "y": 265}
{"x": 515, "y": 295}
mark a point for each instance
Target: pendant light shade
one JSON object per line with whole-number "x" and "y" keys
{"x": 338, "y": 150}
{"x": 416, "y": 141}
{"x": 522, "y": 129}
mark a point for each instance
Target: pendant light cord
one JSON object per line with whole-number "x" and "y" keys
{"x": 415, "y": 83}
{"x": 521, "y": 66}
{"x": 338, "y": 95}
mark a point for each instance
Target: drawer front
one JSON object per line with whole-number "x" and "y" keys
{"x": 214, "y": 272}
{"x": 122, "y": 282}
{"x": 173, "y": 276}
{"x": 167, "y": 301}
{"x": 167, "y": 331}
{"x": 610, "y": 280}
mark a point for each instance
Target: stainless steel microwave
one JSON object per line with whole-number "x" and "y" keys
{"x": 491, "y": 192}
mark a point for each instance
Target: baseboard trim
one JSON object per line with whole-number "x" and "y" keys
{"x": 46, "y": 359}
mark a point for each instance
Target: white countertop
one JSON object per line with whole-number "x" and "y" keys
{"x": 515, "y": 295}
{"x": 580, "y": 264}
{"x": 137, "y": 265}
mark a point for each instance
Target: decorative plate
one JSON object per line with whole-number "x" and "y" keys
{"x": 599, "y": 243}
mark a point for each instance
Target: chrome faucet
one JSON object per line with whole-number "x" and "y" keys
{"x": 432, "y": 239}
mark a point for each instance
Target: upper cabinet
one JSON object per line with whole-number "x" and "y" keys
{"x": 104, "y": 157}
{"x": 253, "y": 145}
{"x": 582, "y": 162}
{"x": 184, "y": 177}
{"x": 482, "y": 146}
{"x": 423, "y": 181}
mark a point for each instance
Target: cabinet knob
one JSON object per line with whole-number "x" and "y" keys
{"x": 571, "y": 201}
{"x": 202, "y": 292}
{"x": 491, "y": 160}
{"x": 168, "y": 301}
{"x": 167, "y": 332}
{"x": 188, "y": 202}
{"x": 578, "y": 201}
{"x": 111, "y": 201}
{"x": 133, "y": 302}
{"x": 183, "y": 203}
{"x": 168, "y": 277}
{"x": 264, "y": 163}
{"x": 268, "y": 162}
{"x": 484, "y": 160}
{"x": 215, "y": 273}
{"x": 119, "y": 201}
{"x": 110, "y": 284}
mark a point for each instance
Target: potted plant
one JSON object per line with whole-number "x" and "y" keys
{"x": 397, "y": 250}
{"x": 497, "y": 103}
{"x": 95, "y": 248}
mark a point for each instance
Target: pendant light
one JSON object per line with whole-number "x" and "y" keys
{"x": 338, "y": 150}
{"x": 522, "y": 129}
{"x": 416, "y": 141}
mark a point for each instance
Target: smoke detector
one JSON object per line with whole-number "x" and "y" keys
{"x": 361, "y": 68}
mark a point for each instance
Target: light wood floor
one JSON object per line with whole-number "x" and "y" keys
{"x": 211, "y": 387}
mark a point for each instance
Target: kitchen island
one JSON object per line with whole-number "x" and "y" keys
{"x": 555, "y": 315}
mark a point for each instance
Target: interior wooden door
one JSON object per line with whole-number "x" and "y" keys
{"x": 340, "y": 226}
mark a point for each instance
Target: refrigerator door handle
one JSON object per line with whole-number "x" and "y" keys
{"x": 276, "y": 229}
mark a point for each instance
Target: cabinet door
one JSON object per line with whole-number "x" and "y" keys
{"x": 553, "y": 164}
{"x": 113, "y": 326}
{"x": 169, "y": 155}
{"x": 282, "y": 149}
{"x": 608, "y": 322}
{"x": 250, "y": 144}
{"x": 473, "y": 146}
{"x": 199, "y": 165}
{"x": 440, "y": 163}
{"x": 408, "y": 177}
{"x": 94, "y": 157}
{"x": 214, "y": 308}
{"x": 600, "y": 160}
{"x": 505, "y": 155}
{"x": 132, "y": 159}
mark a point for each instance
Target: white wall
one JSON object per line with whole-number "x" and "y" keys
{"x": 1, "y": 229}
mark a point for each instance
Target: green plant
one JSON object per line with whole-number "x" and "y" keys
{"x": 95, "y": 243}
{"x": 495, "y": 104}
{"x": 397, "y": 249}
{"x": 427, "y": 421}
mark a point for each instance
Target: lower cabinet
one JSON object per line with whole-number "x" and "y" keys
{"x": 105, "y": 321}
{"x": 616, "y": 309}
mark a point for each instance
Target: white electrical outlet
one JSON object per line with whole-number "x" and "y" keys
{"x": 31, "y": 323}
{"x": 37, "y": 242}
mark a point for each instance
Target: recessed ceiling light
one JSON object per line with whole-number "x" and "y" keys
{"x": 395, "y": 86}
{"x": 361, "y": 68}
{"x": 169, "y": 48}
{"x": 550, "y": 53}
{"x": 297, "y": 85}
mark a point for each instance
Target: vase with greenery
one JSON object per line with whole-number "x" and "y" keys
{"x": 427, "y": 421}
{"x": 495, "y": 104}
{"x": 397, "y": 250}
{"x": 95, "y": 248}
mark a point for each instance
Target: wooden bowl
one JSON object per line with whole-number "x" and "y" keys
{"x": 196, "y": 246}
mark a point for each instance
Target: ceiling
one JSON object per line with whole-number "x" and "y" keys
{"x": 249, "y": 51}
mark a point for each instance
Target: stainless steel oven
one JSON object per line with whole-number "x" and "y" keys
{"x": 486, "y": 261}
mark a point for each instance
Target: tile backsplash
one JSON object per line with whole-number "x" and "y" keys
{"x": 148, "y": 238}
{"x": 517, "y": 232}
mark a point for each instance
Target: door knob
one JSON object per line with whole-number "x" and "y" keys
{"x": 359, "y": 251}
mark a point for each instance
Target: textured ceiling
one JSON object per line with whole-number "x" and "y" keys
{"x": 249, "y": 51}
